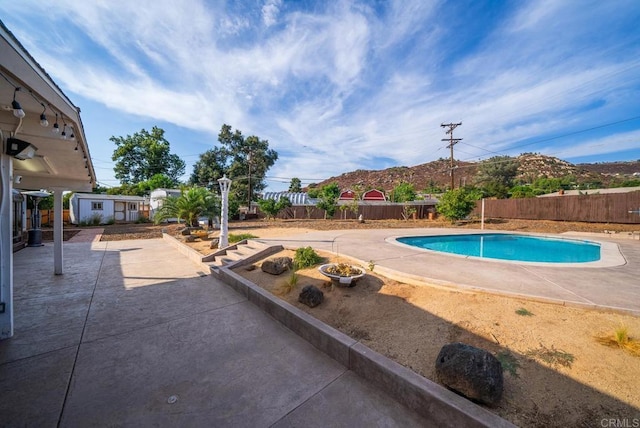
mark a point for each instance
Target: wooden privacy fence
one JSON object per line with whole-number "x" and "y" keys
{"x": 604, "y": 208}
{"x": 369, "y": 212}
{"x": 47, "y": 217}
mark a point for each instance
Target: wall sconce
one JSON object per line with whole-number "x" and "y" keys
{"x": 15, "y": 105}
{"x": 19, "y": 149}
{"x": 64, "y": 130}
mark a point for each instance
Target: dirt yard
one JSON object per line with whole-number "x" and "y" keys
{"x": 556, "y": 372}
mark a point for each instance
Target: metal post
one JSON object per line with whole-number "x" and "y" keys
{"x": 482, "y": 221}
{"x": 249, "y": 162}
{"x": 58, "y": 232}
{"x": 225, "y": 183}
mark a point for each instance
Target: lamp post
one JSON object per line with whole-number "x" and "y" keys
{"x": 225, "y": 183}
{"x": 249, "y": 164}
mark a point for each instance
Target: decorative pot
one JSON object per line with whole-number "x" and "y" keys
{"x": 342, "y": 274}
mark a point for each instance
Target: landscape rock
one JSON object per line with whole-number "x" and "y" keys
{"x": 186, "y": 231}
{"x": 214, "y": 242}
{"x": 277, "y": 265}
{"x": 470, "y": 371}
{"x": 189, "y": 238}
{"x": 311, "y": 296}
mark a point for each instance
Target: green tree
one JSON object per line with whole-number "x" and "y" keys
{"x": 523, "y": 192}
{"x": 296, "y": 185}
{"x": 240, "y": 158}
{"x": 191, "y": 204}
{"x": 158, "y": 181}
{"x": 328, "y": 199}
{"x": 313, "y": 191}
{"x": 404, "y": 192}
{"x": 496, "y": 175}
{"x": 272, "y": 208}
{"x": 458, "y": 203}
{"x": 140, "y": 156}
{"x": 210, "y": 167}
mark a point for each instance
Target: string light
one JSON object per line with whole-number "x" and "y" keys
{"x": 43, "y": 117}
{"x": 56, "y": 127}
{"x": 15, "y": 105}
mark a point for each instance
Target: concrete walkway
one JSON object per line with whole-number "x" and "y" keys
{"x": 615, "y": 286}
{"x": 135, "y": 334}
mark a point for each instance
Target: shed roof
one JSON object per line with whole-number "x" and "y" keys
{"x": 100, "y": 196}
{"x": 296, "y": 198}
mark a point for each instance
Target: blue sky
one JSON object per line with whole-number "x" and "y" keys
{"x": 337, "y": 86}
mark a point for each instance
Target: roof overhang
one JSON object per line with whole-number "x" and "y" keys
{"x": 57, "y": 162}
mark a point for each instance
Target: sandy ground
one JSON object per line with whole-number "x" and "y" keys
{"x": 556, "y": 373}
{"x": 411, "y": 323}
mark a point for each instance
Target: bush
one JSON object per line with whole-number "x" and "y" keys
{"x": 306, "y": 257}
{"x": 94, "y": 220}
{"x": 240, "y": 237}
{"x": 457, "y": 204}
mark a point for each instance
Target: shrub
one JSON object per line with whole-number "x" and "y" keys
{"x": 306, "y": 257}
{"x": 622, "y": 340}
{"x": 457, "y": 204}
{"x": 524, "y": 312}
{"x": 290, "y": 283}
{"x": 240, "y": 237}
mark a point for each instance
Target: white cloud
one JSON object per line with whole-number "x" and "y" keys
{"x": 349, "y": 81}
{"x": 270, "y": 12}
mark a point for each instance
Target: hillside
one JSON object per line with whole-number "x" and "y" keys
{"x": 436, "y": 173}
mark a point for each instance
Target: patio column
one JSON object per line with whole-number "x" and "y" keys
{"x": 58, "y": 235}
{"x": 6, "y": 246}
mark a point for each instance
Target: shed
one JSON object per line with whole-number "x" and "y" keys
{"x": 157, "y": 197}
{"x": 102, "y": 209}
{"x": 374, "y": 195}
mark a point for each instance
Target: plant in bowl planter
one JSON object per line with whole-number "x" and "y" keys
{"x": 342, "y": 273}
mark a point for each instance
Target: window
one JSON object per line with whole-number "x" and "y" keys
{"x": 133, "y": 206}
{"x": 96, "y": 206}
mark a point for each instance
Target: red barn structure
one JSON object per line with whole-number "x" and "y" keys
{"x": 374, "y": 195}
{"x": 347, "y": 195}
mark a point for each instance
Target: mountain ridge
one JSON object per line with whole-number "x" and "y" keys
{"x": 436, "y": 174}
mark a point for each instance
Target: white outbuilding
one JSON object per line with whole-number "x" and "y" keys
{"x": 92, "y": 208}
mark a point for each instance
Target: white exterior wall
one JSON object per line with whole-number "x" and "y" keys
{"x": 85, "y": 211}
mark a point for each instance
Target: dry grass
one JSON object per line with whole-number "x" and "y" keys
{"x": 620, "y": 339}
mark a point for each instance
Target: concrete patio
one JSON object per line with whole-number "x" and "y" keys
{"x": 135, "y": 334}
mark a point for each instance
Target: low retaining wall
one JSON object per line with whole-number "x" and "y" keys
{"x": 429, "y": 399}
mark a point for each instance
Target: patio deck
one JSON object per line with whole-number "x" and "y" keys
{"x": 135, "y": 334}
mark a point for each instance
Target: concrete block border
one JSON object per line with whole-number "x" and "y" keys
{"x": 429, "y": 399}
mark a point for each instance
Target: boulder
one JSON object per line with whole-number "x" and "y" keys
{"x": 190, "y": 238}
{"x": 311, "y": 296}
{"x": 186, "y": 231}
{"x": 470, "y": 371}
{"x": 214, "y": 242}
{"x": 277, "y": 265}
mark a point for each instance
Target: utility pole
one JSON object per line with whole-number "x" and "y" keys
{"x": 452, "y": 142}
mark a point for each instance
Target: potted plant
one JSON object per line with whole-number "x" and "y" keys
{"x": 342, "y": 273}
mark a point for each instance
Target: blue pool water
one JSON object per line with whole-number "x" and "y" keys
{"x": 505, "y": 246}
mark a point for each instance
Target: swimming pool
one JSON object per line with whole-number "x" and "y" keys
{"x": 508, "y": 246}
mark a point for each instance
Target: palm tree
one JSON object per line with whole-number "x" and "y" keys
{"x": 191, "y": 204}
